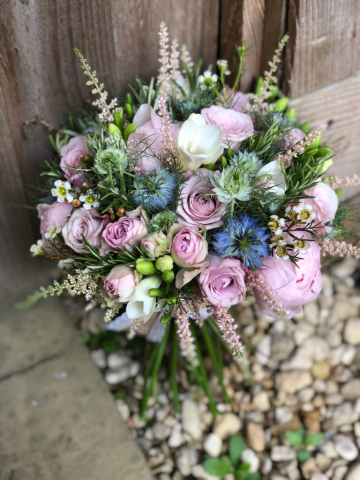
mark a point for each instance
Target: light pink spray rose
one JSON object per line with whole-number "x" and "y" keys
{"x": 84, "y": 222}
{"x": 294, "y": 286}
{"x": 148, "y": 126}
{"x": 188, "y": 250}
{"x": 222, "y": 282}
{"x": 197, "y": 206}
{"x": 50, "y": 215}
{"x": 126, "y": 231}
{"x": 235, "y": 126}
{"x": 120, "y": 283}
{"x": 325, "y": 203}
{"x": 71, "y": 154}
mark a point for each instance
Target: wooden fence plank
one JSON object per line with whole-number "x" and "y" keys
{"x": 324, "y": 43}
{"x": 339, "y": 105}
{"x": 242, "y": 24}
{"x": 41, "y": 76}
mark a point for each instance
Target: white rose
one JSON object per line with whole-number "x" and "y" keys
{"x": 141, "y": 305}
{"x": 198, "y": 143}
{"x": 274, "y": 176}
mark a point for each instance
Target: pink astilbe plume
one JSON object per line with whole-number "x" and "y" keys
{"x": 164, "y": 54}
{"x": 174, "y": 60}
{"x": 186, "y": 58}
{"x": 225, "y": 323}
{"x": 343, "y": 249}
{"x": 336, "y": 182}
{"x": 265, "y": 291}
{"x": 188, "y": 350}
{"x": 181, "y": 316}
{"x": 297, "y": 149}
{"x": 260, "y": 105}
{"x": 168, "y": 139}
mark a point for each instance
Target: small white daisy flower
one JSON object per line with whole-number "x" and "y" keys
{"x": 52, "y": 231}
{"x": 90, "y": 200}
{"x": 62, "y": 191}
{"x": 222, "y": 63}
{"x": 305, "y": 213}
{"x": 276, "y": 224}
{"x": 281, "y": 252}
{"x": 208, "y": 80}
{"x": 278, "y": 240}
{"x": 37, "y": 248}
{"x": 301, "y": 246}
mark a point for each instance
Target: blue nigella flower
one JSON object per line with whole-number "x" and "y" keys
{"x": 154, "y": 191}
{"x": 243, "y": 238}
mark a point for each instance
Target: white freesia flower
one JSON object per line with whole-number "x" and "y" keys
{"x": 275, "y": 178}
{"x": 198, "y": 143}
{"x": 141, "y": 305}
{"x": 62, "y": 191}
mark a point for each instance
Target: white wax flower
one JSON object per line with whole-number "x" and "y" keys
{"x": 272, "y": 171}
{"x": 198, "y": 143}
{"x": 141, "y": 305}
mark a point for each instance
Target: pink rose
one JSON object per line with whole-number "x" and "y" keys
{"x": 188, "y": 250}
{"x": 294, "y": 286}
{"x": 197, "y": 205}
{"x": 71, "y": 154}
{"x": 148, "y": 126}
{"x": 294, "y": 136}
{"x": 235, "y": 126}
{"x": 325, "y": 203}
{"x": 222, "y": 282}
{"x": 126, "y": 231}
{"x": 84, "y": 222}
{"x": 53, "y": 214}
{"x": 120, "y": 283}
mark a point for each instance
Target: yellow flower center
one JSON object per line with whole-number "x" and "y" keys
{"x": 305, "y": 214}
{"x": 277, "y": 239}
{"x": 300, "y": 243}
{"x": 90, "y": 199}
{"x": 281, "y": 251}
{"x": 62, "y": 191}
{"x": 293, "y": 216}
{"x": 274, "y": 224}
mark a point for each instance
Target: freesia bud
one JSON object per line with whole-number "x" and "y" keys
{"x": 166, "y": 318}
{"x": 172, "y": 301}
{"x": 164, "y": 263}
{"x": 113, "y": 129}
{"x": 281, "y": 104}
{"x": 223, "y": 162}
{"x": 145, "y": 267}
{"x": 168, "y": 276}
{"x": 339, "y": 192}
{"x": 154, "y": 292}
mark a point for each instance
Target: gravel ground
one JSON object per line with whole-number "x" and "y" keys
{"x": 304, "y": 374}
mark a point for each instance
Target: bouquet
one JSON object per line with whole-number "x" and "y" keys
{"x": 187, "y": 196}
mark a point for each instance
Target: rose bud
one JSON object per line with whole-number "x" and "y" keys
{"x": 154, "y": 245}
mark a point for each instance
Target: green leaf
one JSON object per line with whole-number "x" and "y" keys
{"x": 119, "y": 396}
{"x": 129, "y": 130}
{"x": 253, "y": 476}
{"x": 295, "y": 438}
{"x": 236, "y": 447}
{"x": 216, "y": 467}
{"x": 110, "y": 345}
{"x": 314, "y": 439}
{"x": 303, "y": 455}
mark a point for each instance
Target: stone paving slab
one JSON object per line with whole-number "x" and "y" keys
{"x": 58, "y": 420}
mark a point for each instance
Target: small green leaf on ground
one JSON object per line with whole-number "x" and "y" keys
{"x": 314, "y": 439}
{"x": 296, "y": 438}
{"x": 303, "y": 455}
{"x": 236, "y": 447}
{"x": 216, "y": 467}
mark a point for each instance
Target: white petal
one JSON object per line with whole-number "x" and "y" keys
{"x": 54, "y": 192}
{"x": 197, "y": 118}
{"x": 58, "y": 183}
{"x": 149, "y": 305}
{"x": 214, "y": 77}
{"x": 82, "y": 198}
{"x": 87, "y": 206}
{"x": 61, "y": 199}
{"x": 134, "y": 310}
{"x": 186, "y": 132}
{"x": 207, "y": 73}
{"x": 142, "y": 290}
{"x": 67, "y": 185}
